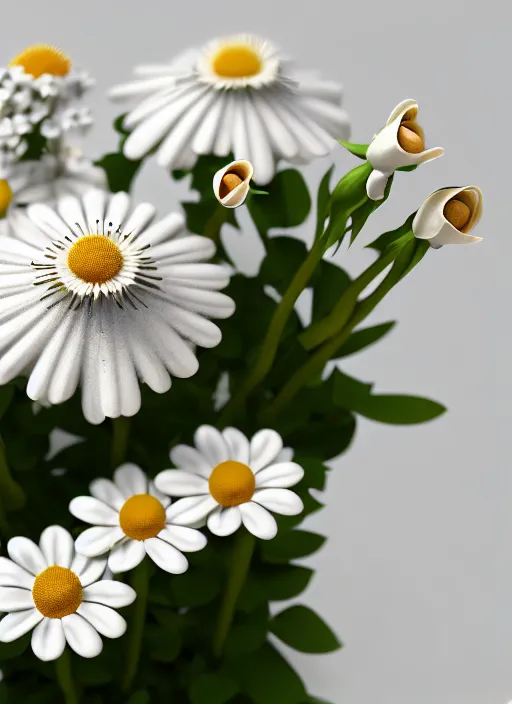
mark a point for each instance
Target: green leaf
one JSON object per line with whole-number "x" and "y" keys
{"x": 164, "y": 645}
{"x": 284, "y": 256}
{"x": 393, "y": 237}
{"x": 358, "y": 150}
{"x": 291, "y": 545}
{"x": 200, "y": 214}
{"x": 287, "y": 205}
{"x": 120, "y": 171}
{"x": 329, "y": 282}
{"x": 363, "y": 338}
{"x": 12, "y": 650}
{"x": 92, "y": 673}
{"x": 196, "y": 587}
{"x": 213, "y": 688}
{"x": 349, "y": 195}
{"x": 286, "y": 582}
{"x": 384, "y": 408}
{"x": 268, "y": 678}
{"x": 249, "y": 631}
{"x": 302, "y": 629}
{"x": 322, "y": 201}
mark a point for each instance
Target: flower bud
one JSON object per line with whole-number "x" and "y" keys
{"x": 231, "y": 184}
{"x": 399, "y": 143}
{"x": 448, "y": 216}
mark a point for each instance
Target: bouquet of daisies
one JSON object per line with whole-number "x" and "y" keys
{"x": 167, "y": 422}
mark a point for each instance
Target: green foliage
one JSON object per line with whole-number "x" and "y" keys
{"x": 303, "y": 629}
{"x": 119, "y": 169}
{"x": 385, "y": 408}
{"x": 176, "y": 662}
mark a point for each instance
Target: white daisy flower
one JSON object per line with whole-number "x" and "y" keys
{"x": 130, "y": 518}
{"x": 92, "y": 294}
{"x": 59, "y": 594}
{"x": 230, "y": 481}
{"x": 233, "y": 95}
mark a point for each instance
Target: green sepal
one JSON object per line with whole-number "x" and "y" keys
{"x": 348, "y": 196}
{"x": 361, "y": 215}
{"x": 358, "y": 150}
{"x": 392, "y": 238}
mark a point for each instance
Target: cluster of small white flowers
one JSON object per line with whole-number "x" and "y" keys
{"x": 48, "y": 101}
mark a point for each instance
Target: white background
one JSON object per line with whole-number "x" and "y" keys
{"x": 417, "y": 574}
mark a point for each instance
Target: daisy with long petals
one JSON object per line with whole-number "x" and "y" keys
{"x": 238, "y": 95}
{"x": 230, "y": 480}
{"x": 59, "y": 594}
{"x": 91, "y": 293}
{"x": 130, "y": 519}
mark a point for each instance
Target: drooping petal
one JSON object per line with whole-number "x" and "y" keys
{"x": 105, "y": 620}
{"x": 125, "y": 556}
{"x": 48, "y": 641}
{"x": 15, "y": 625}
{"x": 225, "y": 521}
{"x": 81, "y": 636}
{"x": 166, "y": 556}
{"x": 258, "y": 521}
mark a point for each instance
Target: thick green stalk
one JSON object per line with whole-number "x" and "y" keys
{"x": 334, "y": 322}
{"x": 243, "y": 550}
{"x": 12, "y": 496}
{"x": 140, "y": 582}
{"x": 121, "y": 432}
{"x": 65, "y": 678}
{"x": 268, "y": 350}
{"x": 316, "y": 363}
{"x": 214, "y": 224}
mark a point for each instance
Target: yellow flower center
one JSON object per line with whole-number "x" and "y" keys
{"x": 57, "y": 592}
{"x": 95, "y": 259}
{"x": 142, "y": 517}
{"x": 43, "y": 58}
{"x": 236, "y": 61}
{"x": 232, "y": 483}
{"x": 5, "y": 197}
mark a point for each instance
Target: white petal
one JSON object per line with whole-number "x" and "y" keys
{"x": 153, "y": 491}
{"x": 88, "y": 569}
{"x": 57, "y": 546}
{"x": 81, "y": 636}
{"x": 265, "y": 446}
{"x": 130, "y": 480}
{"x": 177, "y": 482}
{"x": 110, "y": 593}
{"x": 183, "y": 538}
{"x": 211, "y": 445}
{"x": 15, "y": 599}
{"x": 90, "y": 510}
{"x": 238, "y": 445}
{"x": 280, "y": 475}
{"x": 225, "y": 521}
{"x": 48, "y": 641}
{"x": 15, "y": 625}
{"x": 26, "y": 554}
{"x": 11, "y": 575}
{"x": 258, "y": 521}
{"x": 106, "y": 491}
{"x": 98, "y": 540}
{"x": 190, "y": 459}
{"x": 166, "y": 556}
{"x": 105, "y": 620}
{"x": 140, "y": 218}
{"x": 281, "y": 501}
{"x": 126, "y": 556}
{"x": 188, "y": 511}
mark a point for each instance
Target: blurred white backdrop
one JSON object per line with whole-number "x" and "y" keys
{"x": 416, "y": 577}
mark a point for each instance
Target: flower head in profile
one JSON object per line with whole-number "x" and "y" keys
{"x": 93, "y": 294}
{"x": 228, "y": 480}
{"x": 231, "y": 184}
{"x": 235, "y": 95}
{"x": 130, "y": 519}
{"x": 448, "y": 216}
{"x": 401, "y": 142}
{"x": 59, "y": 594}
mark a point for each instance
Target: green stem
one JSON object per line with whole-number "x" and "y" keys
{"x": 340, "y": 314}
{"x": 214, "y": 225}
{"x": 241, "y": 558}
{"x": 121, "y": 431}
{"x": 270, "y": 344}
{"x": 140, "y": 582}
{"x": 316, "y": 363}
{"x": 65, "y": 678}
